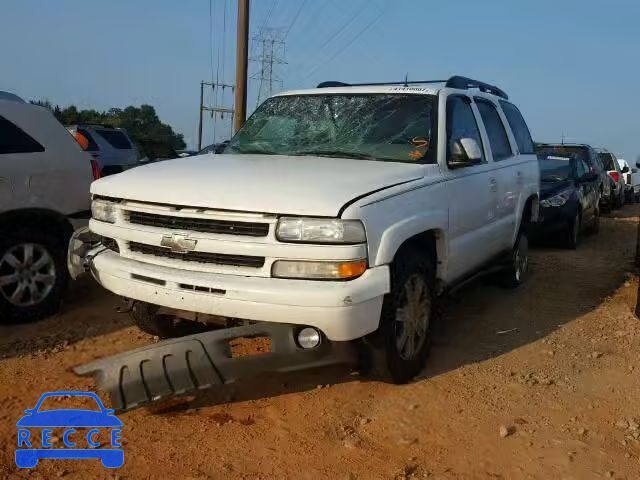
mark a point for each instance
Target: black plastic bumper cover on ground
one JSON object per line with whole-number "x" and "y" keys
{"x": 185, "y": 365}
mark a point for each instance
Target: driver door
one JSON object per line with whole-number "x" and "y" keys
{"x": 472, "y": 193}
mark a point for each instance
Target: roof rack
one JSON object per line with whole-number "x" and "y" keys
{"x": 466, "y": 83}
{"x": 454, "y": 82}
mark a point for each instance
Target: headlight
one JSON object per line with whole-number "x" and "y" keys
{"x": 318, "y": 270}
{"x": 320, "y": 230}
{"x": 557, "y": 200}
{"x": 103, "y": 211}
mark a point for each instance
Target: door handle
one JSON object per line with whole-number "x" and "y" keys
{"x": 493, "y": 184}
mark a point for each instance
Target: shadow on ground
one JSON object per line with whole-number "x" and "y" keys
{"x": 87, "y": 311}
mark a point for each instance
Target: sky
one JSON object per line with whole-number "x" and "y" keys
{"x": 571, "y": 66}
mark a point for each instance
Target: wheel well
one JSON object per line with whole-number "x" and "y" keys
{"x": 529, "y": 212}
{"x": 425, "y": 242}
{"x": 38, "y": 219}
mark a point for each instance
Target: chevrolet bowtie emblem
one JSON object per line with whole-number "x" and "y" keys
{"x": 178, "y": 243}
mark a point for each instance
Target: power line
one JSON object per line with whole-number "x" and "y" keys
{"x": 347, "y": 45}
{"x": 295, "y": 17}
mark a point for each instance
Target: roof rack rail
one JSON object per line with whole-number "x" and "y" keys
{"x": 454, "y": 82}
{"x": 466, "y": 83}
{"x": 331, "y": 84}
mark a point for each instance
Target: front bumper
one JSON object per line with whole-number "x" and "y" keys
{"x": 553, "y": 219}
{"x": 182, "y": 366}
{"x": 341, "y": 310}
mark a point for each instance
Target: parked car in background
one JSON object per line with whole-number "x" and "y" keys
{"x": 154, "y": 151}
{"x": 44, "y": 196}
{"x": 590, "y": 156}
{"x": 214, "y": 148}
{"x": 611, "y": 165}
{"x": 110, "y": 147}
{"x": 569, "y": 195}
{"x": 631, "y": 180}
{"x": 346, "y": 227}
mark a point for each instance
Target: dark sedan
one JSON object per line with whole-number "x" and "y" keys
{"x": 570, "y": 196}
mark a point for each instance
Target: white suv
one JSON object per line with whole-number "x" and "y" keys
{"x": 344, "y": 210}
{"x": 44, "y": 195}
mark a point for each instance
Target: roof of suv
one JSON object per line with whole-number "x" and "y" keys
{"x": 426, "y": 87}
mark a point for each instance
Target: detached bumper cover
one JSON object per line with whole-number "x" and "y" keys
{"x": 188, "y": 364}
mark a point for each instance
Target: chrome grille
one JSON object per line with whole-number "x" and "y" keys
{"x": 200, "y": 257}
{"x": 205, "y": 225}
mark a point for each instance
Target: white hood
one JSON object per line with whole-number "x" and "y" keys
{"x": 257, "y": 183}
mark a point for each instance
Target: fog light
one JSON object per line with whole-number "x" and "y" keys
{"x": 309, "y": 338}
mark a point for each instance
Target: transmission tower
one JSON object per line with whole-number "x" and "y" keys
{"x": 270, "y": 45}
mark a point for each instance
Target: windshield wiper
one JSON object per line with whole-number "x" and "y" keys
{"x": 336, "y": 154}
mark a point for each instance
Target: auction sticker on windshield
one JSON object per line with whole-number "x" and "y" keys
{"x": 48, "y": 431}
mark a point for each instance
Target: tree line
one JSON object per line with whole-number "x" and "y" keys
{"x": 142, "y": 123}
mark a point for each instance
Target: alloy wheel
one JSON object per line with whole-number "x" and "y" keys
{"x": 413, "y": 317}
{"x": 27, "y": 274}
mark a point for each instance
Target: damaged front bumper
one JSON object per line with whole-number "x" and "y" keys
{"x": 182, "y": 366}
{"x": 83, "y": 247}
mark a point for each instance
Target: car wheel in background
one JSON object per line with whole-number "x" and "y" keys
{"x": 33, "y": 275}
{"x": 573, "y": 232}
{"x": 594, "y": 226}
{"x": 517, "y": 270}
{"x": 400, "y": 347}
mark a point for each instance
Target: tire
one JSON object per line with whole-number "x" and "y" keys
{"x": 517, "y": 270}
{"x": 594, "y": 227}
{"x": 398, "y": 352}
{"x": 33, "y": 275}
{"x": 573, "y": 232}
{"x": 618, "y": 202}
{"x": 146, "y": 317}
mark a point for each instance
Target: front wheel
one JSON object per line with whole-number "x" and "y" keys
{"x": 400, "y": 347}
{"x": 573, "y": 232}
{"x": 517, "y": 269}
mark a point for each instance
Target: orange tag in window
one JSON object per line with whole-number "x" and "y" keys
{"x": 415, "y": 154}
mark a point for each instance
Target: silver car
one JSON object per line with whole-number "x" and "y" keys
{"x": 110, "y": 147}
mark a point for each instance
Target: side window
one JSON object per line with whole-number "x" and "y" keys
{"x": 14, "y": 140}
{"x": 496, "y": 132}
{"x": 582, "y": 168}
{"x": 461, "y": 124}
{"x": 518, "y": 127}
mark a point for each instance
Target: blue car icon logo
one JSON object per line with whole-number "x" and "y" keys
{"x": 31, "y": 447}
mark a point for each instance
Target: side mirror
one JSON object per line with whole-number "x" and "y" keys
{"x": 625, "y": 169}
{"x": 465, "y": 152}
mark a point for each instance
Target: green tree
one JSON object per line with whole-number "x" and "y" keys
{"x": 142, "y": 123}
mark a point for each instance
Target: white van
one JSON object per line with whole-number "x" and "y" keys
{"x": 44, "y": 196}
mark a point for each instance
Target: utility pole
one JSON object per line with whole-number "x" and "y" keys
{"x": 242, "y": 64}
{"x": 214, "y": 109}
{"x": 271, "y": 52}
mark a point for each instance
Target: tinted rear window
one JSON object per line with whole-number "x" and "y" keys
{"x": 116, "y": 139}
{"x": 564, "y": 150}
{"x": 15, "y": 140}
{"x": 607, "y": 161}
{"x": 93, "y": 146}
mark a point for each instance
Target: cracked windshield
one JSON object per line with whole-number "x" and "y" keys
{"x": 393, "y": 128}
